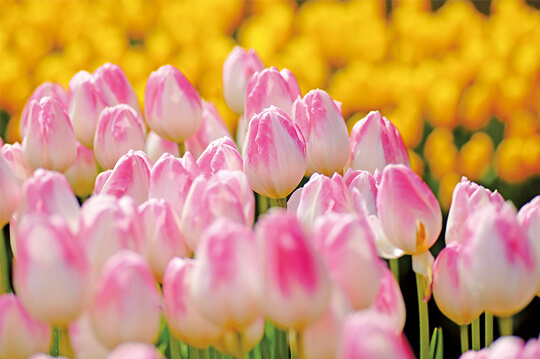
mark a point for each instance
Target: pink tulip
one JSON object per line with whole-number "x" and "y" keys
{"x": 409, "y": 213}
{"x": 49, "y": 141}
{"x": 295, "y": 286}
{"x": 118, "y": 131}
{"x": 271, "y": 87}
{"x": 101, "y": 179}
{"x": 274, "y": 154}
{"x": 172, "y": 105}
{"x": 135, "y": 351}
{"x": 51, "y": 274}
{"x": 385, "y": 249}
{"x": 130, "y": 176}
{"x": 156, "y": 146}
{"x": 389, "y": 300}
{"x": 212, "y": 128}
{"x": 126, "y": 302}
{"x": 220, "y": 154}
{"x": 14, "y": 157}
{"x": 529, "y": 219}
{"x": 83, "y": 172}
{"x": 238, "y": 68}
{"x": 182, "y": 311}
{"x": 163, "y": 236}
{"x": 171, "y": 179}
{"x": 11, "y": 192}
{"x": 368, "y": 334}
{"x": 362, "y": 184}
{"x": 20, "y": 334}
{"x": 375, "y": 143}
{"x": 347, "y": 245}
{"x": 46, "y": 89}
{"x": 466, "y": 199}
{"x": 251, "y": 336}
{"x": 325, "y": 132}
{"x": 319, "y": 196}
{"x": 84, "y": 341}
{"x": 227, "y": 194}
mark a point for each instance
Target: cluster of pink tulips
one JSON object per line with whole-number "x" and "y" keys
{"x": 174, "y": 254}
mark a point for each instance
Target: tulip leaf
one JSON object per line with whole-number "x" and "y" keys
{"x": 433, "y": 343}
{"x": 440, "y": 345}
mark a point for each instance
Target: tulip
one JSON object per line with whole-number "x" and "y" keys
{"x": 51, "y": 273}
{"x": 101, "y": 179}
{"x": 172, "y": 106}
{"x": 466, "y": 199}
{"x": 295, "y": 286}
{"x": 171, "y": 179}
{"x": 238, "y": 68}
{"x": 182, "y": 311}
{"x": 212, "y": 128}
{"x": 229, "y": 344}
{"x": 375, "y": 143}
{"x": 325, "y": 132}
{"x": 135, "y": 351}
{"x": 118, "y": 131}
{"x": 130, "y": 176}
{"x": 220, "y": 154}
{"x": 46, "y": 89}
{"x": 83, "y": 172}
{"x": 14, "y": 157}
{"x": 274, "y": 154}
{"x": 347, "y": 245}
{"x": 271, "y": 87}
{"x": 20, "y": 334}
{"x": 156, "y": 146}
{"x": 385, "y": 249}
{"x": 10, "y": 194}
{"x": 529, "y": 219}
{"x": 49, "y": 141}
{"x": 46, "y": 356}
{"x": 126, "y": 302}
{"x": 163, "y": 235}
{"x": 227, "y": 194}
{"x": 389, "y": 300}
{"x": 84, "y": 340}
{"x": 362, "y": 184}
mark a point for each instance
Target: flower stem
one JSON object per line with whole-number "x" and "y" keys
{"x": 488, "y": 328}
{"x": 60, "y": 342}
{"x": 297, "y": 347}
{"x": 506, "y": 326}
{"x": 173, "y": 347}
{"x": 394, "y": 267}
{"x": 240, "y": 341}
{"x": 475, "y": 327}
{"x": 424, "y": 317}
{"x": 181, "y": 149}
{"x": 203, "y": 354}
{"x": 282, "y": 202}
{"x": 5, "y": 286}
{"x": 464, "y": 334}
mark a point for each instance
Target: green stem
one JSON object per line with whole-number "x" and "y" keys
{"x": 262, "y": 204}
{"x": 488, "y": 328}
{"x": 217, "y": 354}
{"x": 99, "y": 169}
{"x": 240, "y": 340}
{"x": 475, "y": 327}
{"x": 60, "y": 342}
{"x": 297, "y": 347}
{"x": 181, "y": 149}
{"x": 203, "y": 354}
{"x": 5, "y": 286}
{"x": 193, "y": 352}
{"x": 506, "y": 326}
{"x": 173, "y": 347}
{"x": 282, "y": 202}
{"x": 464, "y": 334}
{"x": 394, "y": 267}
{"x": 424, "y": 317}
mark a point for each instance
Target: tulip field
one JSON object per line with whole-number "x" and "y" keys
{"x": 270, "y": 179}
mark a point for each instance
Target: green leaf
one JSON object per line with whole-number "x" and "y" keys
{"x": 440, "y": 345}
{"x": 433, "y": 343}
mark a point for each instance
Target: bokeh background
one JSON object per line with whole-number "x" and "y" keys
{"x": 460, "y": 79}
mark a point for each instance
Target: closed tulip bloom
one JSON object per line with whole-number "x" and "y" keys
{"x": 362, "y": 184}
{"x": 389, "y": 300}
{"x": 385, "y": 249}
{"x": 126, "y": 302}
{"x": 163, "y": 236}
{"x": 220, "y": 154}
{"x": 118, "y": 131}
{"x": 375, "y": 143}
{"x": 212, "y": 128}
{"x": 347, "y": 246}
{"x": 84, "y": 341}
{"x": 51, "y": 274}
{"x": 49, "y": 141}
{"x": 11, "y": 191}
{"x": 12, "y": 154}
{"x": 182, "y": 311}
{"x": 466, "y": 199}
{"x": 529, "y": 219}
{"x": 101, "y": 179}
{"x": 238, "y": 68}
{"x": 20, "y": 334}
{"x": 172, "y": 106}
{"x": 83, "y": 172}
{"x": 274, "y": 154}
{"x": 171, "y": 179}
{"x": 325, "y": 132}
{"x": 155, "y": 146}
{"x": 46, "y": 89}
{"x": 295, "y": 285}
{"x": 135, "y": 351}
{"x": 227, "y": 194}
{"x": 409, "y": 213}
{"x": 271, "y": 87}
{"x": 130, "y": 176}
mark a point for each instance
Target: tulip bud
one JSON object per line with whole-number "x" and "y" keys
{"x": 274, "y": 154}
{"x": 172, "y": 105}
{"x": 529, "y": 219}
{"x": 375, "y": 143}
{"x": 49, "y": 141}
{"x": 10, "y": 194}
{"x": 182, "y": 311}
{"x": 20, "y": 334}
{"x": 295, "y": 286}
{"x": 51, "y": 273}
{"x": 409, "y": 213}
{"x": 13, "y": 156}
{"x": 227, "y": 194}
{"x": 238, "y": 68}
{"x": 385, "y": 249}
{"x": 389, "y": 301}
{"x": 212, "y": 128}
{"x": 118, "y": 131}
{"x": 101, "y": 179}
{"x": 135, "y": 351}
{"x": 83, "y": 172}
{"x": 156, "y": 146}
{"x": 325, "y": 132}
{"x": 220, "y": 154}
{"x": 362, "y": 184}
{"x": 84, "y": 340}
{"x": 126, "y": 302}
